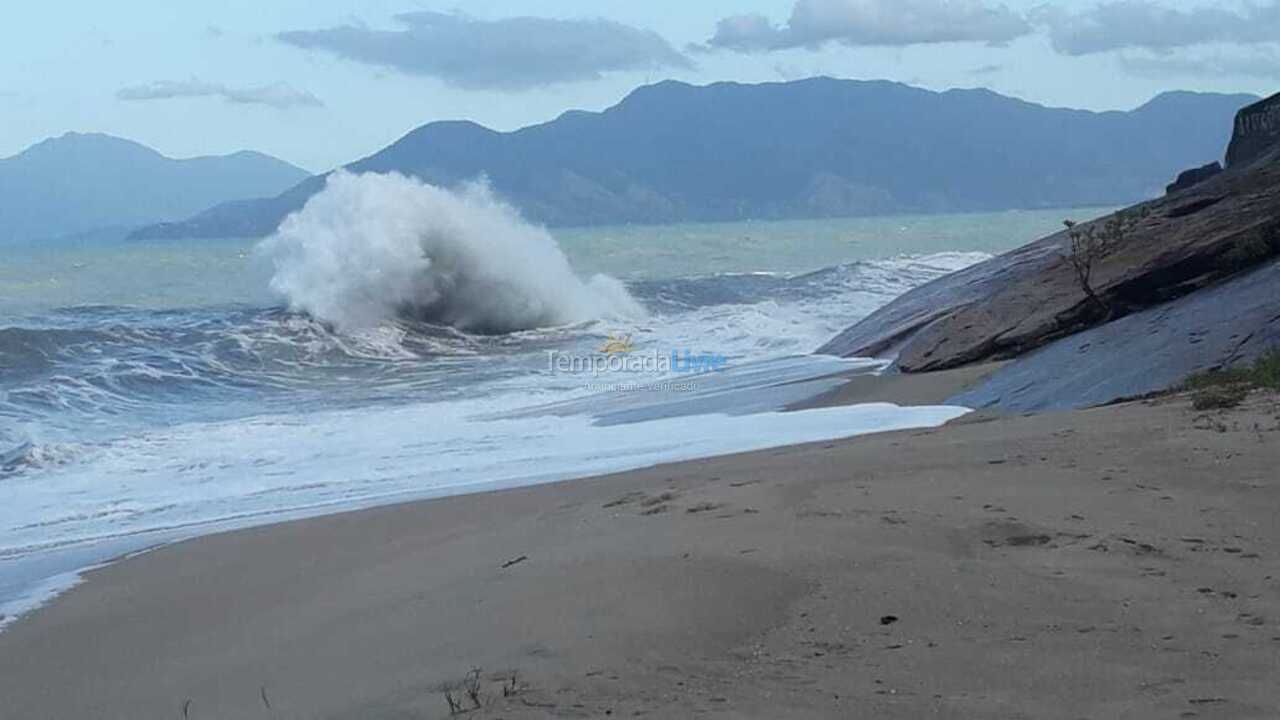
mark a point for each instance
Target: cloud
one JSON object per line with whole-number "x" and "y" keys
{"x": 508, "y": 54}
{"x": 278, "y": 95}
{"x": 1261, "y": 63}
{"x": 893, "y": 23}
{"x": 1146, "y": 24}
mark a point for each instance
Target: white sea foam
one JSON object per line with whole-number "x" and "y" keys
{"x": 161, "y": 426}
{"x": 199, "y": 473}
{"x": 371, "y": 247}
{"x": 37, "y": 594}
{"x": 200, "y": 478}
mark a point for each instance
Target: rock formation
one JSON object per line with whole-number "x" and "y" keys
{"x": 1222, "y": 326}
{"x": 1257, "y": 130}
{"x": 1190, "y": 178}
{"x": 1194, "y": 285}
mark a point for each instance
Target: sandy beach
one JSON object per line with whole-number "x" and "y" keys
{"x": 1120, "y": 562}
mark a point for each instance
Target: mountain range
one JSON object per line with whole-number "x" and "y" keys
{"x": 90, "y": 183}
{"x": 821, "y": 147}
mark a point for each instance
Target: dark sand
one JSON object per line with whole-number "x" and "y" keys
{"x": 1122, "y": 562}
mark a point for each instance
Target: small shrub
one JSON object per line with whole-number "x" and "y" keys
{"x": 1266, "y": 371}
{"x": 1249, "y": 252}
{"x": 1091, "y": 243}
{"x": 1214, "y": 378}
{"x": 1263, "y": 373}
{"x": 1223, "y": 397}
{"x": 457, "y": 695}
{"x": 1225, "y": 389}
{"x": 511, "y": 686}
{"x": 472, "y": 686}
{"x": 455, "y": 707}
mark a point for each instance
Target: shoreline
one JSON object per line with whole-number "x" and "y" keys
{"x": 935, "y": 388}
{"x": 33, "y": 580}
{"x": 860, "y": 575}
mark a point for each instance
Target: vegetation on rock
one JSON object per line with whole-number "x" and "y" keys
{"x": 1222, "y": 389}
{"x": 1091, "y": 243}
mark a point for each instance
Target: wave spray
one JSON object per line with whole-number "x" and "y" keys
{"x": 376, "y": 247}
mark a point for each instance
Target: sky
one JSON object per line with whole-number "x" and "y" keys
{"x": 323, "y": 82}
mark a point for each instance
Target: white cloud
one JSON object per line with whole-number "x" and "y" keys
{"x": 1151, "y": 25}
{"x": 1262, "y": 63}
{"x": 511, "y": 54}
{"x": 814, "y": 23}
{"x": 277, "y": 95}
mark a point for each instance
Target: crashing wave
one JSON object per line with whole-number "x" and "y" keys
{"x": 375, "y": 247}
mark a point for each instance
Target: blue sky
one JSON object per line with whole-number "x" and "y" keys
{"x": 323, "y": 82}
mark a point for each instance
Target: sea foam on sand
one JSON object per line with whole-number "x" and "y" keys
{"x": 195, "y": 478}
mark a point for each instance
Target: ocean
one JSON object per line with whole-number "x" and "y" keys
{"x": 395, "y": 341}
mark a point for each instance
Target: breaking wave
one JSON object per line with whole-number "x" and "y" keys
{"x": 372, "y": 248}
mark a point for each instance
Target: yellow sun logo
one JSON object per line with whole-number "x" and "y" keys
{"x": 617, "y": 345}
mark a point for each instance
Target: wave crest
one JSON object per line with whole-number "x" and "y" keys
{"x": 373, "y": 247}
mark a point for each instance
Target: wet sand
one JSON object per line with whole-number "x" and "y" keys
{"x": 907, "y": 390}
{"x": 1121, "y": 562}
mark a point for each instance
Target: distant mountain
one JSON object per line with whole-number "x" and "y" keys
{"x": 811, "y": 148}
{"x": 82, "y": 184}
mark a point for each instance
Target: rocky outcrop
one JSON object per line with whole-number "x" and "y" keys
{"x": 1029, "y": 298}
{"x": 1150, "y": 351}
{"x": 1257, "y": 131}
{"x": 1190, "y": 178}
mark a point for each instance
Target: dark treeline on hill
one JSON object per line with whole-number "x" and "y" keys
{"x": 822, "y": 147}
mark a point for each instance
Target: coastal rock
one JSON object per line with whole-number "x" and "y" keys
{"x": 1028, "y": 298}
{"x": 1257, "y": 130}
{"x": 1190, "y": 178}
{"x": 1150, "y": 351}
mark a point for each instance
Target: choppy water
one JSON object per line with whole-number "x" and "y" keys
{"x": 161, "y": 390}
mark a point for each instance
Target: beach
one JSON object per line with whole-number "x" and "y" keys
{"x": 1121, "y": 561}
{"x": 416, "y": 364}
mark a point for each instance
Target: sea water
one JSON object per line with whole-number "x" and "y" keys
{"x": 395, "y": 341}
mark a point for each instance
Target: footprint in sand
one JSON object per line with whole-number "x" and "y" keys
{"x": 658, "y": 504}
{"x": 1010, "y": 533}
{"x": 625, "y": 500}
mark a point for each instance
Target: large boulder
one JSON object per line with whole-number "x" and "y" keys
{"x": 1257, "y": 131}
{"x": 1028, "y": 298}
{"x": 1190, "y": 178}
{"x": 1223, "y": 326}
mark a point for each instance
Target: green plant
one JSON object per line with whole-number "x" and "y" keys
{"x": 1222, "y": 397}
{"x": 1225, "y": 389}
{"x": 1091, "y": 243}
{"x": 1263, "y": 373}
{"x": 1251, "y": 251}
